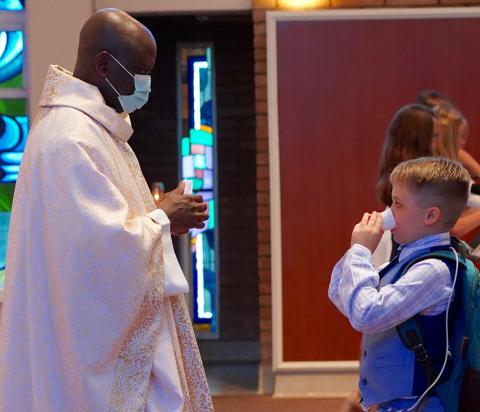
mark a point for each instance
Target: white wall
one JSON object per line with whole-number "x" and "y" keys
{"x": 52, "y": 29}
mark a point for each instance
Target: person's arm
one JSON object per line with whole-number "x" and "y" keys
{"x": 468, "y": 221}
{"x": 366, "y": 234}
{"x": 371, "y": 310}
{"x": 356, "y": 262}
{"x": 469, "y": 162}
{"x": 354, "y": 285}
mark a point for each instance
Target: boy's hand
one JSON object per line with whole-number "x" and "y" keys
{"x": 368, "y": 232}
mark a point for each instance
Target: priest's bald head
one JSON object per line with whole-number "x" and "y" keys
{"x": 113, "y": 47}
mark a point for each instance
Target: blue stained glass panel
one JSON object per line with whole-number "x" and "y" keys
{"x": 197, "y": 164}
{"x": 209, "y": 157}
{"x": 11, "y": 58}
{"x": 11, "y": 157}
{"x": 207, "y": 195}
{"x": 187, "y": 167}
{"x": 4, "y": 223}
{"x": 13, "y": 123}
{"x": 13, "y": 5}
{"x": 13, "y": 136}
{"x": 208, "y": 179}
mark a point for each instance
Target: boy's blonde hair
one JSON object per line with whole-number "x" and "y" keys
{"x": 436, "y": 181}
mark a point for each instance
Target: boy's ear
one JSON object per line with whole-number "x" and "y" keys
{"x": 432, "y": 215}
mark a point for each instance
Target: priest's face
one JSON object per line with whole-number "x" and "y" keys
{"x": 122, "y": 65}
{"x": 121, "y": 77}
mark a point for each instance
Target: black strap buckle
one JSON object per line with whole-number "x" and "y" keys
{"x": 421, "y": 354}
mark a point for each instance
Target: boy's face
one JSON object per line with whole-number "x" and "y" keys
{"x": 409, "y": 217}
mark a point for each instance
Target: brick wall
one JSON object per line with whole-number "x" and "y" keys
{"x": 155, "y": 142}
{"x": 262, "y": 186}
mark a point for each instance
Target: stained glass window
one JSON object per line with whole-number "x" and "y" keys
{"x": 13, "y": 112}
{"x": 197, "y": 151}
{"x": 11, "y": 59}
{"x": 13, "y": 5}
{"x": 13, "y": 135}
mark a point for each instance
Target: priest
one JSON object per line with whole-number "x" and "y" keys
{"x": 94, "y": 316}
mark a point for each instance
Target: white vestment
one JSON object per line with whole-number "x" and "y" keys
{"x": 94, "y": 317}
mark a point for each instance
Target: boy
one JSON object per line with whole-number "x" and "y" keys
{"x": 428, "y": 196}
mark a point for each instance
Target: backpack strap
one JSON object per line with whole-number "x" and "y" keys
{"x": 411, "y": 332}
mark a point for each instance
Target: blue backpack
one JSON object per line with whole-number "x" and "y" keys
{"x": 458, "y": 388}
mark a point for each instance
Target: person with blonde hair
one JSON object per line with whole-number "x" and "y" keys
{"x": 448, "y": 143}
{"x": 429, "y": 194}
{"x": 409, "y": 136}
{"x": 432, "y": 98}
{"x": 449, "y": 123}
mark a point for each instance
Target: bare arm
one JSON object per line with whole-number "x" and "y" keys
{"x": 468, "y": 221}
{"x": 469, "y": 162}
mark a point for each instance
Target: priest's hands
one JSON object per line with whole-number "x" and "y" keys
{"x": 184, "y": 211}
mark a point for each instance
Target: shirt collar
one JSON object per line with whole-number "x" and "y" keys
{"x": 438, "y": 239}
{"x": 63, "y": 89}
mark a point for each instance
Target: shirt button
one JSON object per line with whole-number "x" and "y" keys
{"x": 364, "y": 381}
{"x": 364, "y": 353}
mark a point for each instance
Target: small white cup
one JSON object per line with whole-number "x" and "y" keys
{"x": 388, "y": 220}
{"x": 187, "y": 190}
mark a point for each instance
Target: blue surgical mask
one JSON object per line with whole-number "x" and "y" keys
{"x": 139, "y": 98}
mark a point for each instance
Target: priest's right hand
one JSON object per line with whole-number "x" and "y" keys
{"x": 184, "y": 211}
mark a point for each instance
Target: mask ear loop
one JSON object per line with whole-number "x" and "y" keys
{"x": 111, "y": 85}
{"x": 123, "y": 67}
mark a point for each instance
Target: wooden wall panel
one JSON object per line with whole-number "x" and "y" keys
{"x": 339, "y": 84}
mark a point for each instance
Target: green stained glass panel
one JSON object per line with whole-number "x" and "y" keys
{"x": 211, "y": 214}
{"x": 201, "y": 137}
{"x": 13, "y": 107}
{"x": 185, "y": 146}
{"x": 196, "y": 150}
{"x": 197, "y": 183}
{"x": 14, "y": 82}
{"x": 6, "y": 196}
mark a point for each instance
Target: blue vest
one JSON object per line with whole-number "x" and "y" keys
{"x": 388, "y": 370}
